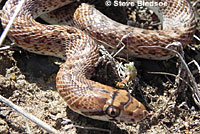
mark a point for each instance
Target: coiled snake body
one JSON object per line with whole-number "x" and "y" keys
{"x": 82, "y": 95}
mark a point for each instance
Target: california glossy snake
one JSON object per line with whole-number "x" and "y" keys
{"x": 82, "y": 95}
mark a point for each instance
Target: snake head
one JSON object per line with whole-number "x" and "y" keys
{"x": 122, "y": 107}
{"x": 105, "y": 103}
{"x": 110, "y": 104}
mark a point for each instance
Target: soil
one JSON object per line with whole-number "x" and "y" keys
{"x": 28, "y": 80}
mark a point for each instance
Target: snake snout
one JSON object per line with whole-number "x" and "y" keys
{"x": 122, "y": 107}
{"x": 133, "y": 111}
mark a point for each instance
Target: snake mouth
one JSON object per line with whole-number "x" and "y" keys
{"x": 93, "y": 113}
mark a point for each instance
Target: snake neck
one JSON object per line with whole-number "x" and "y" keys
{"x": 93, "y": 99}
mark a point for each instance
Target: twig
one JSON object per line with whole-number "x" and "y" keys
{"x": 164, "y": 73}
{"x": 196, "y": 64}
{"x": 195, "y": 3}
{"x": 28, "y": 115}
{"x": 6, "y": 101}
{"x": 196, "y": 37}
{"x": 11, "y": 21}
{"x": 196, "y": 93}
{"x": 121, "y": 42}
{"x": 27, "y": 127}
{"x": 4, "y": 48}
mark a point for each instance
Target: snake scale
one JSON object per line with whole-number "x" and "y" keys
{"x": 81, "y": 53}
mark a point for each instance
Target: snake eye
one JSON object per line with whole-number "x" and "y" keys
{"x": 112, "y": 111}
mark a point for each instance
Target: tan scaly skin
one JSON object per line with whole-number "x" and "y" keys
{"x": 80, "y": 51}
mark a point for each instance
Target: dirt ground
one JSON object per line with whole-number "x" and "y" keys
{"x": 28, "y": 80}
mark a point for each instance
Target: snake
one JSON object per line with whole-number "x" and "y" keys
{"x": 78, "y": 47}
